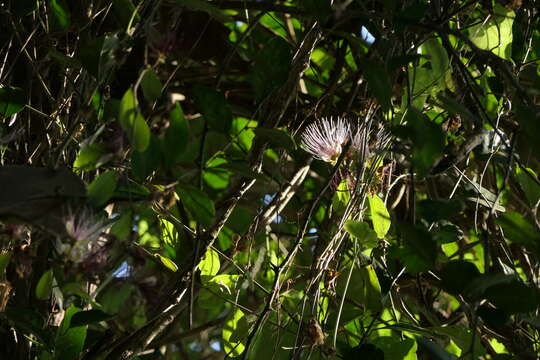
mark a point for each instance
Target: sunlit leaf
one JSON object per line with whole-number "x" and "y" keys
{"x": 209, "y": 265}
{"x": 235, "y": 333}
{"x": 463, "y": 337}
{"x": 379, "y": 216}
{"x": 102, "y": 188}
{"x": 438, "y": 58}
{"x": 496, "y": 34}
{"x": 132, "y": 122}
{"x": 168, "y": 263}
{"x": 361, "y": 231}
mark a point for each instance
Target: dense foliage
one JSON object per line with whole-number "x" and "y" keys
{"x": 191, "y": 179}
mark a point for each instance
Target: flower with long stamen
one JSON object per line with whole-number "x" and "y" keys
{"x": 360, "y": 142}
{"x": 325, "y": 139}
{"x": 85, "y": 229}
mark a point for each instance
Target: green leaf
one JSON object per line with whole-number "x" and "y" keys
{"x": 419, "y": 251}
{"x": 145, "y": 162}
{"x": 379, "y": 216}
{"x": 528, "y": 185}
{"x": 434, "y": 350}
{"x": 197, "y": 203}
{"x": 176, "y": 137}
{"x": 456, "y": 276}
{"x": 124, "y": 11}
{"x": 519, "y": 231}
{"x": 223, "y": 283}
{"x": 422, "y": 84}
{"x": 463, "y": 337}
{"x": 115, "y": 297}
{"x": 44, "y": 285}
{"x": 4, "y": 261}
{"x": 504, "y": 295}
{"x": 66, "y": 61}
{"x": 214, "y": 107}
{"x": 171, "y": 265}
{"x": 448, "y": 233}
{"x": 132, "y": 122}
{"x": 371, "y": 289}
{"x": 321, "y": 10}
{"x": 496, "y": 34}
{"x": 493, "y": 317}
{"x": 60, "y": 15}
{"x": 530, "y": 126}
{"x": 90, "y": 157}
{"x": 427, "y": 140}
{"x": 277, "y": 138}
{"x": 82, "y": 318}
{"x": 235, "y": 333}
{"x": 202, "y": 5}
{"x": 99, "y": 57}
{"x": 151, "y": 85}
{"x": 438, "y": 58}
{"x": 364, "y": 351}
{"x": 456, "y": 108}
{"x": 123, "y": 226}
{"x": 102, "y": 188}
{"x": 70, "y": 339}
{"x": 378, "y": 82}
{"x": 90, "y": 54}
{"x": 215, "y": 176}
{"x": 12, "y": 100}
{"x": 434, "y": 210}
{"x": 272, "y": 66}
{"x": 209, "y": 265}
{"x": 27, "y": 319}
{"x": 395, "y": 348}
{"x": 361, "y": 231}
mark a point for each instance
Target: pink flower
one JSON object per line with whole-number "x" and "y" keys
{"x": 325, "y": 139}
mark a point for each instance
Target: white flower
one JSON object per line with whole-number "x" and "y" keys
{"x": 360, "y": 142}
{"x": 325, "y": 139}
{"x": 85, "y": 229}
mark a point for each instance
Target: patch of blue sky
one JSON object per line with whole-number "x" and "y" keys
{"x": 366, "y": 35}
{"x": 268, "y": 198}
{"x": 215, "y": 345}
{"x": 123, "y": 271}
